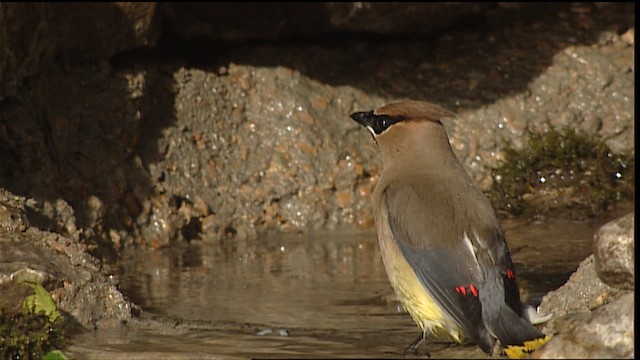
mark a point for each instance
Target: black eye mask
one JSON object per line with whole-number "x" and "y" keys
{"x": 377, "y": 123}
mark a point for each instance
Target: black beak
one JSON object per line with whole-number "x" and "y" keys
{"x": 364, "y": 118}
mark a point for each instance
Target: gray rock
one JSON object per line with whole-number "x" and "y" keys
{"x": 273, "y": 150}
{"x": 607, "y": 333}
{"x": 614, "y": 247}
{"x": 72, "y": 276}
{"x": 574, "y": 301}
{"x": 12, "y": 212}
{"x": 590, "y": 318}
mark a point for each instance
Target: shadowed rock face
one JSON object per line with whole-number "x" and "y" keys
{"x": 243, "y": 21}
{"x": 35, "y": 36}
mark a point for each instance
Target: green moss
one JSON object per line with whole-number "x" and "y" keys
{"x": 562, "y": 170}
{"x": 28, "y": 336}
{"x": 35, "y": 332}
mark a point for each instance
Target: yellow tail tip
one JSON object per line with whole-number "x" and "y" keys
{"x": 520, "y": 351}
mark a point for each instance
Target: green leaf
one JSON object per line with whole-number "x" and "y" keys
{"x": 55, "y": 355}
{"x": 41, "y": 301}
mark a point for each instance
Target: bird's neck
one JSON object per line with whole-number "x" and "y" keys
{"x": 418, "y": 147}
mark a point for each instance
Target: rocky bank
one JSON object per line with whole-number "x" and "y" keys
{"x": 148, "y": 125}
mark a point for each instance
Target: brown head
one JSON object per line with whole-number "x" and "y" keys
{"x": 409, "y": 132}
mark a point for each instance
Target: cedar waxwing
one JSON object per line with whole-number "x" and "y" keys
{"x": 441, "y": 242}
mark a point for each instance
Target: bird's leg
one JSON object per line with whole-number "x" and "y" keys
{"x": 413, "y": 348}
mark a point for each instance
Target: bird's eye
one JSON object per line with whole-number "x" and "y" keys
{"x": 383, "y": 122}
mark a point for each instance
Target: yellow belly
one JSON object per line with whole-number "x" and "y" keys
{"x": 412, "y": 295}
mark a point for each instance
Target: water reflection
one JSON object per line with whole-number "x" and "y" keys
{"x": 288, "y": 281}
{"x": 320, "y": 295}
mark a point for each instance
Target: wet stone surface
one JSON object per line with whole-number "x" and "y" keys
{"x": 259, "y": 161}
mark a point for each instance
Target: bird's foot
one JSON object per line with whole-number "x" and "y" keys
{"x": 413, "y": 348}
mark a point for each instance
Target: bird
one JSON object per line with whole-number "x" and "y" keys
{"x": 441, "y": 242}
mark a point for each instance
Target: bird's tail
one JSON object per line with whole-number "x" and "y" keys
{"x": 516, "y": 334}
{"x": 529, "y": 346}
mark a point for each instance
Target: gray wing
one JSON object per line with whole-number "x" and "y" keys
{"x": 428, "y": 227}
